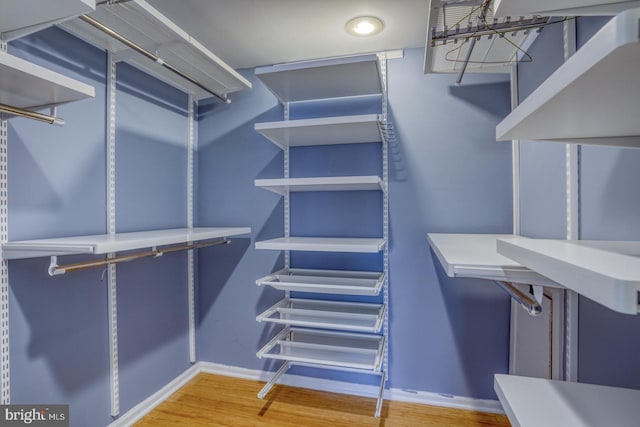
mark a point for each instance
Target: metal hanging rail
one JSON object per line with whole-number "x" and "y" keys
{"x": 55, "y": 269}
{"x": 52, "y": 120}
{"x": 100, "y": 26}
{"x": 527, "y": 302}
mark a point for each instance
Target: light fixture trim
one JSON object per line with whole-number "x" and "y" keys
{"x": 364, "y": 26}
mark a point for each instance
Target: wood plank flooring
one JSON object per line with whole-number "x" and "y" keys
{"x": 212, "y": 400}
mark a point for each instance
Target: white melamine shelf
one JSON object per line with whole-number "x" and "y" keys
{"x": 323, "y": 79}
{"x": 475, "y": 256}
{"x": 594, "y": 97}
{"x": 283, "y": 186}
{"x": 26, "y": 85}
{"x": 25, "y": 16}
{"x": 324, "y": 244}
{"x": 534, "y": 402}
{"x": 103, "y": 243}
{"x": 139, "y": 22}
{"x": 338, "y": 282}
{"x": 606, "y": 272}
{"x": 517, "y": 8}
{"x": 310, "y": 313}
{"x": 337, "y": 349}
{"x": 322, "y": 131}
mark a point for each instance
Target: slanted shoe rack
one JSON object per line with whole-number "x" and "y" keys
{"x": 318, "y": 333}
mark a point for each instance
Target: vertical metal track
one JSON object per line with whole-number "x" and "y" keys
{"x": 190, "y": 254}
{"x": 515, "y": 155}
{"x": 5, "y": 383}
{"x": 287, "y": 200}
{"x": 111, "y": 230}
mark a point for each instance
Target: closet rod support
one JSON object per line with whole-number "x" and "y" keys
{"x": 144, "y": 52}
{"x": 55, "y": 269}
{"x": 52, "y": 120}
{"x": 472, "y": 43}
{"x": 532, "y": 306}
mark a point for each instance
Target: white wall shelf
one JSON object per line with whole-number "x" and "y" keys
{"x": 323, "y": 79}
{"x": 606, "y": 272}
{"x": 16, "y": 22}
{"x": 311, "y": 313}
{"x": 29, "y": 86}
{"x": 324, "y": 244}
{"x": 283, "y": 186}
{"x": 599, "y": 81}
{"x": 475, "y": 256}
{"x": 138, "y": 21}
{"x": 337, "y": 282}
{"x": 530, "y": 402}
{"x": 104, "y": 243}
{"x": 338, "y": 349}
{"x": 322, "y": 131}
{"x": 517, "y": 8}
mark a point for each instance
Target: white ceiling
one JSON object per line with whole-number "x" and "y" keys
{"x": 250, "y": 33}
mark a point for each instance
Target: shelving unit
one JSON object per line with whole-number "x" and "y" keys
{"x": 144, "y": 25}
{"x": 311, "y": 313}
{"x": 337, "y": 282}
{"x": 516, "y": 8}
{"x": 531, "y": 402}
{"x": 304, "y": 344}
{"x": 599, "y": 80}
{"x": 606, "y": 272}
{"x": 105, "y": 243}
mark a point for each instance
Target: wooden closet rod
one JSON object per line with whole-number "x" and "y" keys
{"x": 55, "y": 269}
{"x": 52, "y": 120}
{"x": 144, "y": 52}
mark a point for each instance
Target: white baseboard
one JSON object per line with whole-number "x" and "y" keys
{"x": 332, "y": 386}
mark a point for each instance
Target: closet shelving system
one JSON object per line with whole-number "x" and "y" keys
{"x": 338, "y": 335}
{"x": 593, "y": 98}
{"x": 504, "y": 8}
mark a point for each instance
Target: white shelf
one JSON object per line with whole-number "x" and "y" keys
{"x": 349, "y": 316}
{"x": 592, "y": 98}
{"x": 475, "y": 256}
{"x": 533, "y": 402}
{"x": 323, "y": 79}
{"x": 323, "y": 244}
{"x": 517, "y": 8}
{"x": 337, "y": 349}
{"x": 322, "y": 131}
{"x": 338, "y": 282}
{"x": 283, "y": 186}
{"x": 606, "y": 272}
{"x": 144, "y": 25}
{"x": 21, "y": 17}
{"x": 29, "y": 86}
{"x": 103, "y": 243}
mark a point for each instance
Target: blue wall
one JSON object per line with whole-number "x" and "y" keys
{"x": 609, "y": 205}
{"x": 446, "y": 335}
{"x": 58, "y": 325}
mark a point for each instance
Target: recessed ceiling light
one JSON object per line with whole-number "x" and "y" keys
{"x": 364, "y": 26}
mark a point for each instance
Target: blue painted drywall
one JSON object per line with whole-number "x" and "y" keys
{"x": 609, "y": 202}
{"x": 447, "y": 174}
{"x": 58, "y": 326}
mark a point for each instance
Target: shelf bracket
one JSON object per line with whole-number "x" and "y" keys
{"x": 274, "y": 380}
{"x": 527, "y": 302}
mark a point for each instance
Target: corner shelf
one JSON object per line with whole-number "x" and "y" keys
{"x": 530, "y": 402}
{"x": 604, "y": 271}
{"x": 283, "y": 186}
{"x": 599, "y": 80}
{"x": 310, "y": 313}
{"x": 337, "y": 282}
{"x": 15, "y": 21}
{"x": 323, "y": 244}
{"x": 336, "y": 349}
{"x": 475, "y": 256}
{"x": 141, "y": 23}
{"x": 29, "y": 86}
{"x": 515, "y": 8}
{"x": 322, "y": 131}
{"x": 323, "y": 79}
{"x": 104, "y": 243}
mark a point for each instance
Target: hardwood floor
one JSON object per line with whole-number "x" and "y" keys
{"x": 212, "y": 400}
